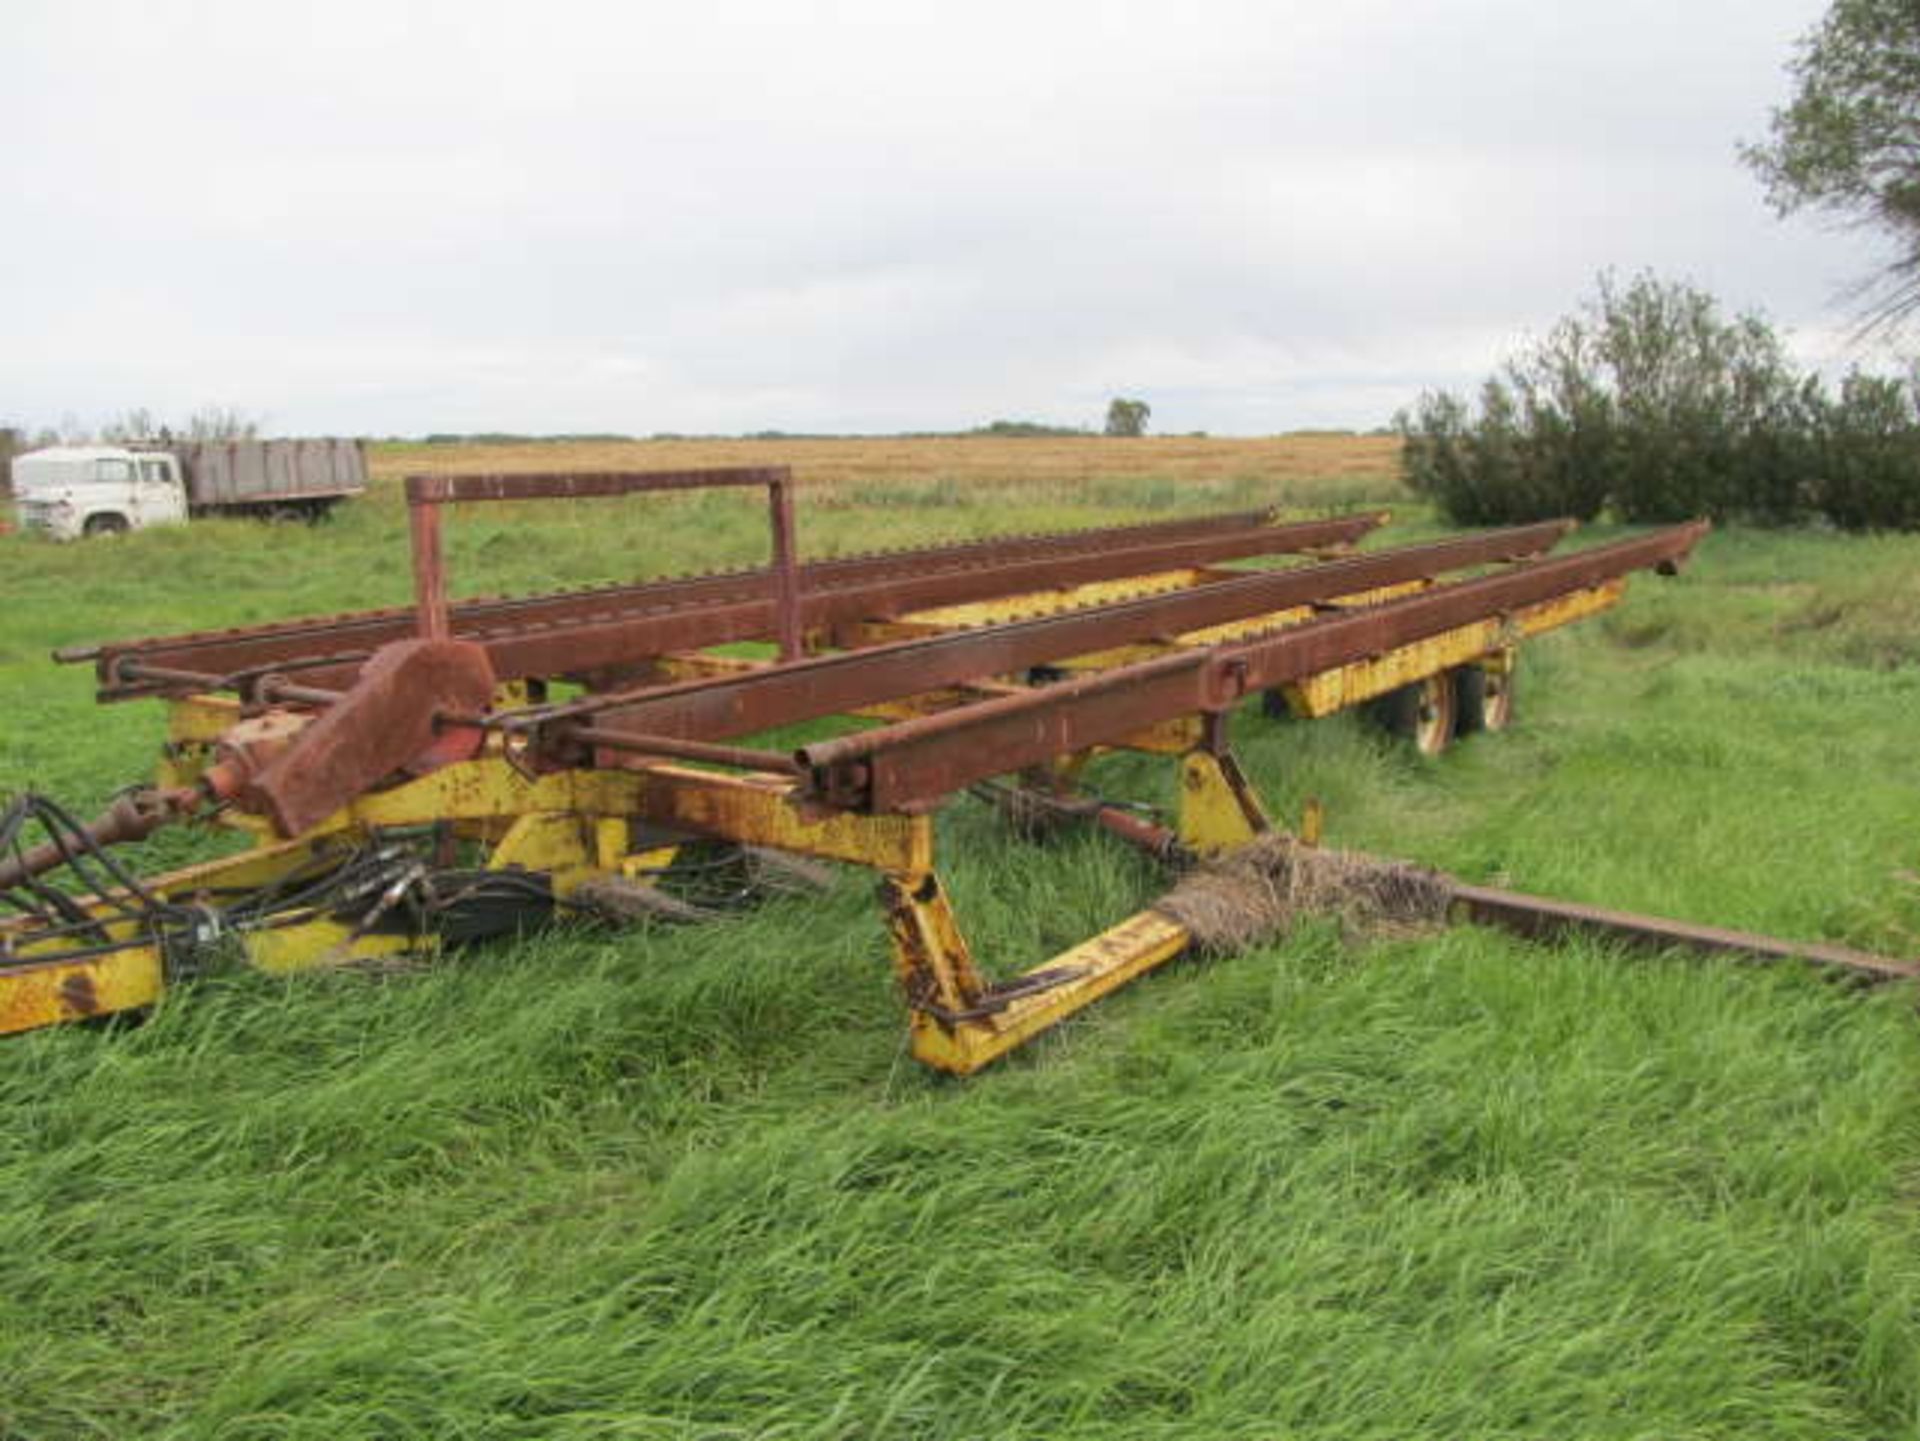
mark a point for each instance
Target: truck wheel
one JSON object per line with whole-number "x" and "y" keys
{"x": 1423, "y": 712}
{"x": 1484, "y": 698}
{"x": 106, "y": 523}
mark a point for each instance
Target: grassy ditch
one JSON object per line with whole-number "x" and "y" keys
{"x": 685, "y": 1183}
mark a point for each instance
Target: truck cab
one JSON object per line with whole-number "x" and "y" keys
{"x": 69, "y": 491}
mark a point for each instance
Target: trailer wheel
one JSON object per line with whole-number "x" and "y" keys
{"x": 1424, "y": 712}
{"x": 1273, "y": 703}
{"x": 1484, "y": 698}
{"x": 106, "y": 523}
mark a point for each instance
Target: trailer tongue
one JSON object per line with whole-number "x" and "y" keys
{"x": 406, "y": 784}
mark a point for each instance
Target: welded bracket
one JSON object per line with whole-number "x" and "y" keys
{"x": 1219, "y": 808}
{"x": 930, "y": 955}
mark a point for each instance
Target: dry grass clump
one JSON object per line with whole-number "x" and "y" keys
{"x": 1262, "y": 889}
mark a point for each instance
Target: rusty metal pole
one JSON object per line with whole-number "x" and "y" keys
{"x": 786, "y": 565}
{"x": 429, "y": 569}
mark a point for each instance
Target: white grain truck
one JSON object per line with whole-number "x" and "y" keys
{"x": 68, "y": 491}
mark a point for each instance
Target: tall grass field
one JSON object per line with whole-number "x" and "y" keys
{"x": 686, "y": 1184}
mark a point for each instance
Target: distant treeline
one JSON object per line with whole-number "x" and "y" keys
{"x": 1015, "y": 429}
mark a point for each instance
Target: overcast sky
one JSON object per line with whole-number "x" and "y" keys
{"x": 723, "y": 217}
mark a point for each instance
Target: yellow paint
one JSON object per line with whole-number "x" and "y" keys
{"x": 203, "y": 718}
{"x": 763, "y": 811}
{"x": 700, "y": 665}
{"x": 930, "y": 956}
{"x": 193, "y": 725}
{"x": 559, "y": 844}
{"x": 576, "y": 824}
{"x": 1054, "y": 602}
{"x": 1096, "y": 968}
{"x": 322, "y": 941}
{"x": 1218, "y": 806}
{"x": 49, "y": 992}
{"x": 1350, "y": 685}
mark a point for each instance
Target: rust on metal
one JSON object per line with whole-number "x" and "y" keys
{"x": 786, "y": 566}
{"x": 429, "y": 572}
{"x": 627, "y": 622}
{"x": 585, "y": 485}
{"x": 374, "y": 627}
{"x": 1541, "y": 919}
{"x": 676, "y": 748}
{"x": 916, "y": 761}
{"x": 826, "y": 685}
{"x": 78, "y": 995}
{"x": 387, "y": 722}
{"x": 132, "y": 816}
{"x": 427, "y": 493}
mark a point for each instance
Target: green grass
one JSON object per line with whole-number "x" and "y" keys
{"x": 686, "y": 1184}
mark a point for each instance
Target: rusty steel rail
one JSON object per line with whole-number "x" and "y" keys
{"x": 914, "y": 763}
{"x": 715, "y": 707}
{"x": 1538, "y": 918}
{"x": 371, "y": 628}
{"x": 586, "y": 648}
{"x": 637, "y": 621}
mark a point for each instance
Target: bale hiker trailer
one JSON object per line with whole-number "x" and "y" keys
{"x": 406, "y": 782}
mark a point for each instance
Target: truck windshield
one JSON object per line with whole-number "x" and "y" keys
{"x": 113, "y": 470}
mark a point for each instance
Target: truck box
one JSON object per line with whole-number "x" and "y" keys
{"x": 262, "y": 474}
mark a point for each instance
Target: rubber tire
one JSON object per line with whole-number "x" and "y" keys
{"x": 106, "y": 523}
{"x": 1273, "y": 705}
{"x": 1399, "y": 713}
{"x": 1472, "y": 709}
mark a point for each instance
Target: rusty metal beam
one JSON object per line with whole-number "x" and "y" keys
{"x": 713, "y": 707}
{"x": 584, "y": 485}
{"x": 336, "y": 644}
{"x": 1538, "y": 918}
{"x": 1260, "y": 665}
{"x": 915, "y": 763}
{"x": 427, "y": 493}
{"x": 695, "y": 589}
{"x": 581, "y": 649}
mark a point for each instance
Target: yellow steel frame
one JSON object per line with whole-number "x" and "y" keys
{"x": 579, "y": 825}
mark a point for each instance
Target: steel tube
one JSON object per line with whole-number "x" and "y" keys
{"x": 949, "y": 574}
{"x": 739, "y": 705}
{"x": 675, "y": 748}
{"x": 786, "y": 578}
{"x": 431, "y": 621}
{"x": 584, "y": 648}
{"x": 915, "y": 762}
{"x": 845, "y": 570}
{"x": 584, "y": 485}
{"x": 1539, "y": 918}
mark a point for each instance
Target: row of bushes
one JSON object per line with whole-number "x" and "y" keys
{"x": 1649, "y": 404}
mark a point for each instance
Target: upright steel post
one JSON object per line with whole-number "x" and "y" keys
{"x": 429, "y": 567}
{"x": 786, "y": 566}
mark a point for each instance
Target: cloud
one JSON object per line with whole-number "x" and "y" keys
{"x": 401, "y": 217}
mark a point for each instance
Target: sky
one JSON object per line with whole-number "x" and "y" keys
{"x": 400, "y": 218}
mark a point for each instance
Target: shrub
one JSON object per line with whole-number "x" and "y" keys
{"x": 1651, "y": 402}
{"x": 1869, "y": 456}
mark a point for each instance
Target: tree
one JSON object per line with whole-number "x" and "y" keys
{"x": 220, "y": 422}
{"x": 1849, "y": 141}
{"x": 136, "y": 424}
{"x": 1648, "y": 400}
{"x": 1127, "y": 417}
